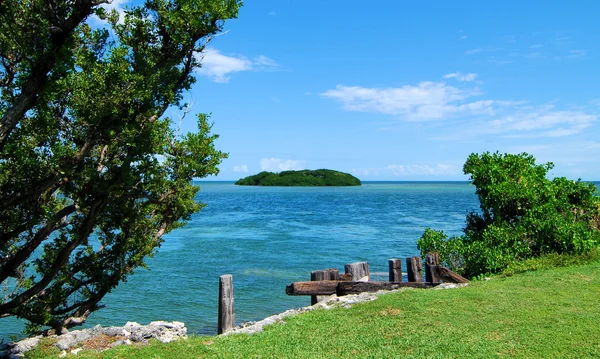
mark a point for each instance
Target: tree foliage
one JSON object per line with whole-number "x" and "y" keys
{"x": 523, "y": 215}
{"x": 320, "y": 177}
{"x": 92, "y": 174}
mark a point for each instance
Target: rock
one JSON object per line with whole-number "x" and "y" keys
{"x": 450, "y": 285}
{"x": 115, "y": 331}
{"x": 18, "y": 350}
{"x": 163, "y": 331}
{"x": 76, "y": 351}
{"x": 132, "y": 332}
{"x": 120, "y": 342}
{"x": 74, "y": 338}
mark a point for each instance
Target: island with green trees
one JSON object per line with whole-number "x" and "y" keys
{"x": 307, "y": 178}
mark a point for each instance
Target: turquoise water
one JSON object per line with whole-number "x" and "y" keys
{"x": 268, "y": 237}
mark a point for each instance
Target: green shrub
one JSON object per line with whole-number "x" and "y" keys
{"x": 523, "y": 215}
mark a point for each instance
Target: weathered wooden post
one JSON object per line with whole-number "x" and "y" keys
{"x": 431, "y": 262}
{"x": 395, "y": 270}
{"x": 226, "y": 309}
{"x": 413, "y": 269}
{"x": 317, "y": 275}
{"x": 360, "y": 271}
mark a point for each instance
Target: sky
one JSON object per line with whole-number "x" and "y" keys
{"x": 402, "y": 90}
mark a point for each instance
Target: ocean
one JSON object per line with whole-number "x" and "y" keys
{"x": 268, "y": 237}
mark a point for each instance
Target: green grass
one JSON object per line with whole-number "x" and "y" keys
{"x": 552, "y": 313}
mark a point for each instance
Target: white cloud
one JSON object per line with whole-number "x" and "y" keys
{"x": 426, "y": 100}
{"x": 429, "y": 101}
{"x": 423, "y": 102}
{"x": 526, "y": 122}
{"x": 264, "y": 63}
{"x": 118, "y": 5}
{"x": 461, "y": 77}
{"x": 536, "y": 55}
{"x": 240, "y": 168}
{"x": 577, "y": 53}
{"x": 573, "y": 158}
{"x": 412, "y": 170}
{"x": 278, "y": 164}
{"x": 272, "y": 13}
{"x": 473, "y": 51}
{"x": 507, "y": 50}
{"x": 463, "y": 37}
{"x": 219, "y": 67}
{"x": 543, "y": 121}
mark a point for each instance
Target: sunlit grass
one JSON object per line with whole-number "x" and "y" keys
{"x": 551, "y": 313}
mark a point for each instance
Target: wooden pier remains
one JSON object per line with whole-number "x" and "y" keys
{"x": 357, "y": 278}
{"x": 321, "y": 275}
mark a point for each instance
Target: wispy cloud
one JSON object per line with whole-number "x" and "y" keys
{"x": 473, "y": 51}
{"x": 272, "y": 13}
{"x": 410, "y": 170}
{"x": 575, "y": 158}
{"x": 461, "y": 77}
{"x": 240, "y": 168}
{"x": 219, "y": 67}
{"x": 423, "y": 102}
{"x": 577, "y": 53}
{"x": 507, "y": 50}
{"x": 263, "y": 63}
{"x": 526, "y": 122}
{"x": 278, "y": 164}
{"x": 468, "y": 117}
{"x": 544, "y": 121}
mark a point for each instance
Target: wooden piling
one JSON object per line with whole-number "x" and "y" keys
{"x": 431, "y": 262}
{"x": 328, "y": 287}
{"x": 345, "y": 288}
{"x": 413, "y": 269}
{"x": 449, "y": 276}
{"x": 226, "y": 309}
{"x": 395, "y": 270}
{"x": 360, "y": 271}
{"x": 322, "y": 287}
{"x": 318, "y": 275}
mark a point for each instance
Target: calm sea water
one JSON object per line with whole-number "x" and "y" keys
{"x": 268, "y": 237}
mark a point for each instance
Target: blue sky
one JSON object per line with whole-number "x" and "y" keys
{"x": 403, "y": 90}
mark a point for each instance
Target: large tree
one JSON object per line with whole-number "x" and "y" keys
{"x": 92, "y": 172}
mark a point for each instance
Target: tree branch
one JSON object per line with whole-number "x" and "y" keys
{"x": 38, "y": 77}
{"x": 62, "y": 259}
{"x": 9, "y": 265}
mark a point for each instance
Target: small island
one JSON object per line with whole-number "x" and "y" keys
{"x": 320, "y": 177}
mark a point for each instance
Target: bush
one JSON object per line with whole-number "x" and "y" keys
{"x": 523, "y": 215}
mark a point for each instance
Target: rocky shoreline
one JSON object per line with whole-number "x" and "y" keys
{"x": 99, "y": 338}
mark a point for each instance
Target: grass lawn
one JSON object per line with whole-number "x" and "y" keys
{"x": 544, "y": 314}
